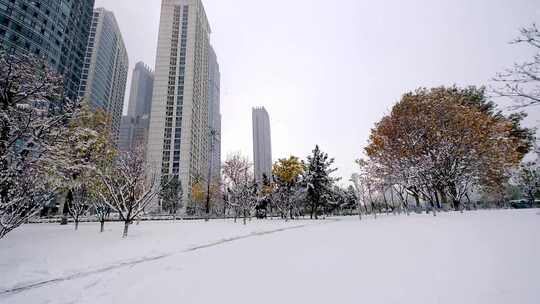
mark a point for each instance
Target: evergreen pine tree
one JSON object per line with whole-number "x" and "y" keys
{"x": 318, "y": 181}
{"x": 171, "y": 194}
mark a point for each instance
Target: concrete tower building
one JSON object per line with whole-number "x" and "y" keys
{"x": 104, "y": 75}
{"x": 134, "y": 127}
{"x": 214, "y": 115}
{"x": 262, "y": 144}
{"x": 179, "y": 133}
{"x": 53, "y": 29}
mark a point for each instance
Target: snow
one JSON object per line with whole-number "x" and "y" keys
{"x": 476, "y": 257}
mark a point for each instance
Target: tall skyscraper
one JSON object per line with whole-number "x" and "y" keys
{"x": 262, "y": 144}
{"x": 179, "y": 124}
{"x": 56, "y": 30}
{"x": 104, "y": 75}
{"x": 214, "y": 115}
{"x": 134, "y": 127}
{"x": 125, "y": 137}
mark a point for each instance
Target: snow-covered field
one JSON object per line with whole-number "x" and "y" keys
{"x": 477, "y": 257}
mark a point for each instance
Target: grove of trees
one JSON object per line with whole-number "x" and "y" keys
{"x": 438, "y": 149}
{"x": 296, "y": 187}
{"x": 441, "y": 144}
{"x": 53, "y": 147}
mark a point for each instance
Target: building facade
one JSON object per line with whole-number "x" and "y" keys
{"x": 214, "y": 115}
{"x": 134, "y": 126}
{"x": 262, "y": 144}
{"x": 179, "y": 124}
{"x": 56, "y": 30}
{"x": 127, "y": 125}
{"x": 105, "y": 70}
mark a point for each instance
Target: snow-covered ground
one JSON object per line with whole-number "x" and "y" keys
{"x": 477, "y": 257}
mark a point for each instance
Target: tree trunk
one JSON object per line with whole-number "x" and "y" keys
{"x": 76, "y": 223}
{"x": 406, "y": 204}
{"x": 417, "y": 200}
{"x": 126, "y": 227}
{"x": 245, "y": 217}
{"x": 290, "y": 214}
{"x": 102, "y": 226}
{"x": 437, "y": 201}
{"x": 385, "y": 203}
{"x": 393, "y": 202}
{"x": 457, "y": 204}
{"x": 468, "y": 200}
{"x": 444, "y": 198}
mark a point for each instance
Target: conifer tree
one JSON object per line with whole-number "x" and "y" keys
{"x": 318, "y": 181}
{"x": 171, "y": 194}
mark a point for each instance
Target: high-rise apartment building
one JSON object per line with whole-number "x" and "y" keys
{"x": 262, "y": 144}
{"x": 125, "y": 137}
{"x": 105, "y": 70}
{"x": 56, "y": 30}
{"x": 179, "y": 134}
{"x": 134, "y": 126}
{"x": 214, "y": 115}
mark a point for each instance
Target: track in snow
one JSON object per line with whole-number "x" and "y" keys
{"x": 142, "y": 260}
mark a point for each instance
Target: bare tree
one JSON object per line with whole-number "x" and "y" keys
{"x": 78, "y": 203}
{"x": 129, "y": 187}
{"x": 403, "y": 196}
{"x": 33, "y": 113}
{"x": 522, "y": 81}
{"x": 360, "y": 192}
{"x": 22, "y": 198}
{"x": 367, "y": 185}
{"x": 238, "y": 179}
{"x": 102, "y": 211}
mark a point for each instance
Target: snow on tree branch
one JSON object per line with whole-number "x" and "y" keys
{"x": 33, "y": 114}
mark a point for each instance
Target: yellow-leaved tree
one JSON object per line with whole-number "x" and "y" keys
{"x": 287, "y": 173}
{"x": 85, "y": 147}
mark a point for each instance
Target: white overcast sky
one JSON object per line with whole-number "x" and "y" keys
{"x": 326, "y": 71}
